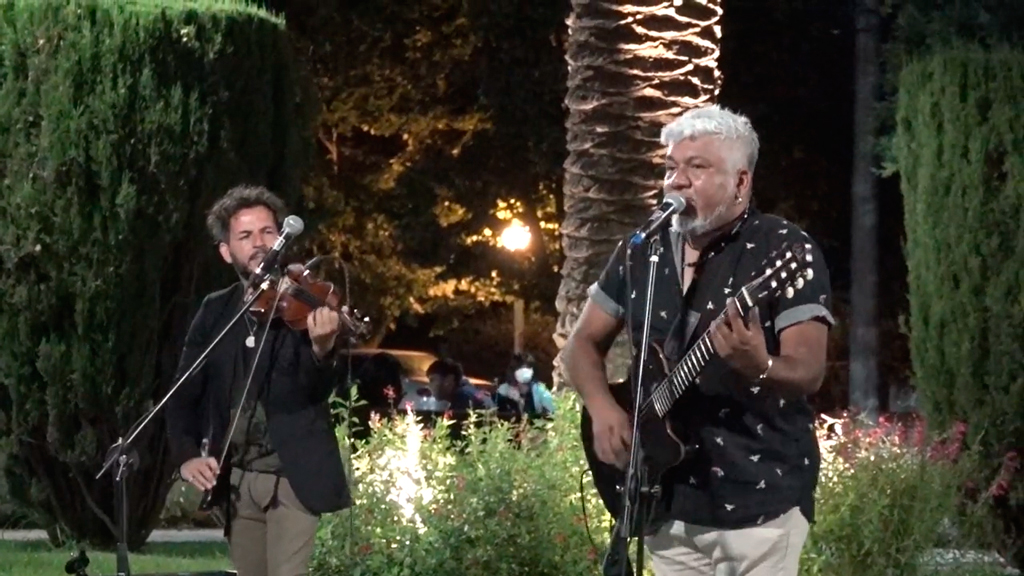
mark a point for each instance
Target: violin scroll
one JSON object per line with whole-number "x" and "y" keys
{"x": 354, "y": 328}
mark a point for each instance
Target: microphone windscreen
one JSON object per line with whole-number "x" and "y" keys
{"x": 293, "y": 225}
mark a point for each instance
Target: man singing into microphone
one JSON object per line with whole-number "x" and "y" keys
{"x": 284, "y": 467}
{"x": 741, "y": 505}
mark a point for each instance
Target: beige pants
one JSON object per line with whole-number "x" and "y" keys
{"x": 269, "y": 540}
{"x": 771, "y": 549}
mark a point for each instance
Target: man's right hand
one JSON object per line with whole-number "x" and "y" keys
{"x": 200, "y": 472}
{"x": 613, "y": 433}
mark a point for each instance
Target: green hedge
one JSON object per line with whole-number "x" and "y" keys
{"x": 959, "y": 151}
{"x": 120, "y": 122}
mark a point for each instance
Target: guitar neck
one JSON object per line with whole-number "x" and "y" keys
{"x": 665, "y": 394}
{"x": 788, "y": 274}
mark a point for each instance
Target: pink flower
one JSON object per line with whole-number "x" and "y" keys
{"x": 1001, "y": 486}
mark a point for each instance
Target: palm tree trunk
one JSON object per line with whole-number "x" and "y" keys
{"x": 633, "y": 66}
{"x": 864, "y": 224}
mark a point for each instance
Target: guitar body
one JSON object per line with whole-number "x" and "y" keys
{"x": 661, "y": 446}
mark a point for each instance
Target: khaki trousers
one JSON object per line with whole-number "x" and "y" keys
{"x": 269, "y": 536}
{"x": 771, "y": 549}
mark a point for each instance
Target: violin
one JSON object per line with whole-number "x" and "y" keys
{"x": 297, "y": 294}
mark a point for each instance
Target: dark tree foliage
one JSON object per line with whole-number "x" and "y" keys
{"x": 119, "y": 125}
{"x": 433, "y": 113}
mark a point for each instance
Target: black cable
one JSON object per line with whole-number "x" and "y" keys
{"x": 348, "y": 402}
{"x": 348, "y": 389}
{"x": 586, "y": 521}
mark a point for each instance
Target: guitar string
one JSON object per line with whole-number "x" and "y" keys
{"x": 660, "y": 397}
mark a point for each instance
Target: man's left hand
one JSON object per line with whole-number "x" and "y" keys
{"x": 323, "y": 325}
{"x": 741, "y": 342}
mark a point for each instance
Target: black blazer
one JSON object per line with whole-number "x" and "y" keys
{"x": 292, "y": 387}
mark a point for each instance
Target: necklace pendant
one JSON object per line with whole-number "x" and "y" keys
{"x": 250, "y": 341}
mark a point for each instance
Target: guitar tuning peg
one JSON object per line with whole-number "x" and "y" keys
{"x": 808, "y": 257}
{"x": 789, "y": 291}
{"x": 778, "y": 263}
{"x": 799, "y": 282}
{"x": 775, "y": 284}
{"x": 809, "y": 274}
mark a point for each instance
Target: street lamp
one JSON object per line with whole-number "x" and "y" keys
{"x": 516, "y": 237}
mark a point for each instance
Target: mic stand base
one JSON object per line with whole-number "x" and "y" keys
{"x": 126, "y": 458}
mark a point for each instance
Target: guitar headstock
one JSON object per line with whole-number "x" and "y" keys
{"x": 788, "y": 270}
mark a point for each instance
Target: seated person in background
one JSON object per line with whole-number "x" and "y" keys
{"x": 379, "y": 382}
{"x": 521, "y": 392}
{"x": 451, "y": 387}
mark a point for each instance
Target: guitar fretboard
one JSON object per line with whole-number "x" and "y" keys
{"x": 669, "y": 390}
{"x": 665, "y": 393}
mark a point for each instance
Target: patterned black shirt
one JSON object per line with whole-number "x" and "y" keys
{"x": 758, "y": 455}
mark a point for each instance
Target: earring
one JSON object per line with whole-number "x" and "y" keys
{"x": 739, "y": 198}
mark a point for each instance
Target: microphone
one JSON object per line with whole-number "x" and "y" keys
{"x": 671, "y": 205}
{"x": 292, "y": 227}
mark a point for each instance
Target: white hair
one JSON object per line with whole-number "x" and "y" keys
{"x": 714, "y": 120}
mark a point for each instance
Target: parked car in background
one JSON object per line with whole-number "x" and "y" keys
{"x": 374, "y": 370}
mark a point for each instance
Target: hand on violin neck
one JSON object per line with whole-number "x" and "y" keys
{"x": 324, "y": 325}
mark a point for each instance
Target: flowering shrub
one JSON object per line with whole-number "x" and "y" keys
{"x": 488, "y": 507}
{"x": 507, "y": 501}
{"x": 889, "y": 494}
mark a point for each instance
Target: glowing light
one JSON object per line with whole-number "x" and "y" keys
{"x": 515, "y": 237}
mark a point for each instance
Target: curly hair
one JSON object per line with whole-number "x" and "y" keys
{"x": 218, "y": 218}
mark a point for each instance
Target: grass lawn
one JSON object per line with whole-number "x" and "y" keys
{"x": 41, "y": 559}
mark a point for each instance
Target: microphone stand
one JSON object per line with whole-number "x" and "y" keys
{"x": 126, "y": 458}
{"x": 635, "y": 492}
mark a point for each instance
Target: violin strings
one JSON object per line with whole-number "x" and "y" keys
{"x": 305, "y": 296}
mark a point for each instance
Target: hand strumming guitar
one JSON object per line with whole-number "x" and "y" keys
{"x": 741, "y": 342}
{"x": 613, "y": 432}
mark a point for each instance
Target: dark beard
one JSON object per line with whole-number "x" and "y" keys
{"x": 242, "y": 268}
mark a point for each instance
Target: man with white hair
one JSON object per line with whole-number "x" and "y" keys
{"x": 742, "y": 504}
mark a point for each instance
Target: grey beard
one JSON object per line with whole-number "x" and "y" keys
{"x": 697, "y": 226}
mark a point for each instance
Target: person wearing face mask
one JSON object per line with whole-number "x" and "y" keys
{"x": 522, "y": 393}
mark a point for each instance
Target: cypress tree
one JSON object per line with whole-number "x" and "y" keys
{"x": 959, "y": 150}
{"x": 120, "y": 123}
